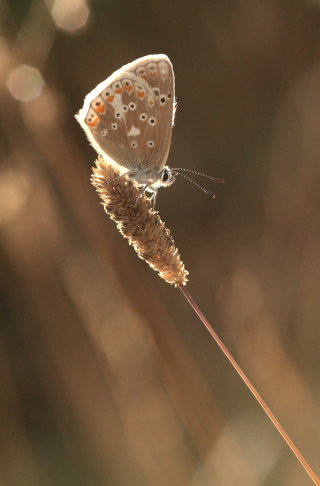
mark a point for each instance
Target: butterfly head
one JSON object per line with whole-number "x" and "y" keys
{"x": 151, "y": 179}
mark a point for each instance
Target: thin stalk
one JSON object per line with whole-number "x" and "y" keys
{"x": 252, "y": 389}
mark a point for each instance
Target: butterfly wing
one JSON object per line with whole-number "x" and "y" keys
{"x": 129, "y": 116}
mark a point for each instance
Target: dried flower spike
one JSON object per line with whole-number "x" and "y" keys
{"x": 138, "y": 222}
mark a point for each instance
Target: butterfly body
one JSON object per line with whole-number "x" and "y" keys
{"x": 128, "y": 119}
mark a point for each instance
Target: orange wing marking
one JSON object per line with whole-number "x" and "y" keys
{"x": 93, "y": 122}
{"x": 101, "y": 108}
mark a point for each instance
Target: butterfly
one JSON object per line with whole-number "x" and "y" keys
{"x": 128, "y": 119}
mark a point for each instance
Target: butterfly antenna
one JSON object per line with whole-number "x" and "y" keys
{"x": 180, "y": 169}
{"x": 208, "y": 193}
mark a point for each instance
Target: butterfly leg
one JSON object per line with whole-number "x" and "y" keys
{"x": 141, "y": 191}
{"x": 148, "y": 188}
{"x": 153, "y": 199}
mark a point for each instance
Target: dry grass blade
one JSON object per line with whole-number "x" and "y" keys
{"x": 138, "y": 222}
{"x": 142, "y": 226}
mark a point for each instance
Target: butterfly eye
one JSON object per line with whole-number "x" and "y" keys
{"x": 156, "y": 92}
{"x": 152, "y": 121}
{"x": 134, "y": 144}
{"x": 150, "y": 143}
{"x": 169, "y": 95}
{"x": 104, "y": 132}
{"x": 165, "y": 175}
{"x": 125, "y": 108}
{"x": 132, "y": 106}
{"x": 114, "y": 126}
{"x": 118, "y": 115}
{"x": 163, "y": 99}
{"x": 143, "y": 116}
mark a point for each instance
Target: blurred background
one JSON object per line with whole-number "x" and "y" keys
{"x": 107, "y": 377}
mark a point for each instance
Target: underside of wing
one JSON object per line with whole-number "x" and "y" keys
{"x": 129, "y": 116}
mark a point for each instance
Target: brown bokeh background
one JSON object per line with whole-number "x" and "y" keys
{"x": 107, "y": 377}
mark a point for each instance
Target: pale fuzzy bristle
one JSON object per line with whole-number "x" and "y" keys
{"x": 138, "y": 222}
